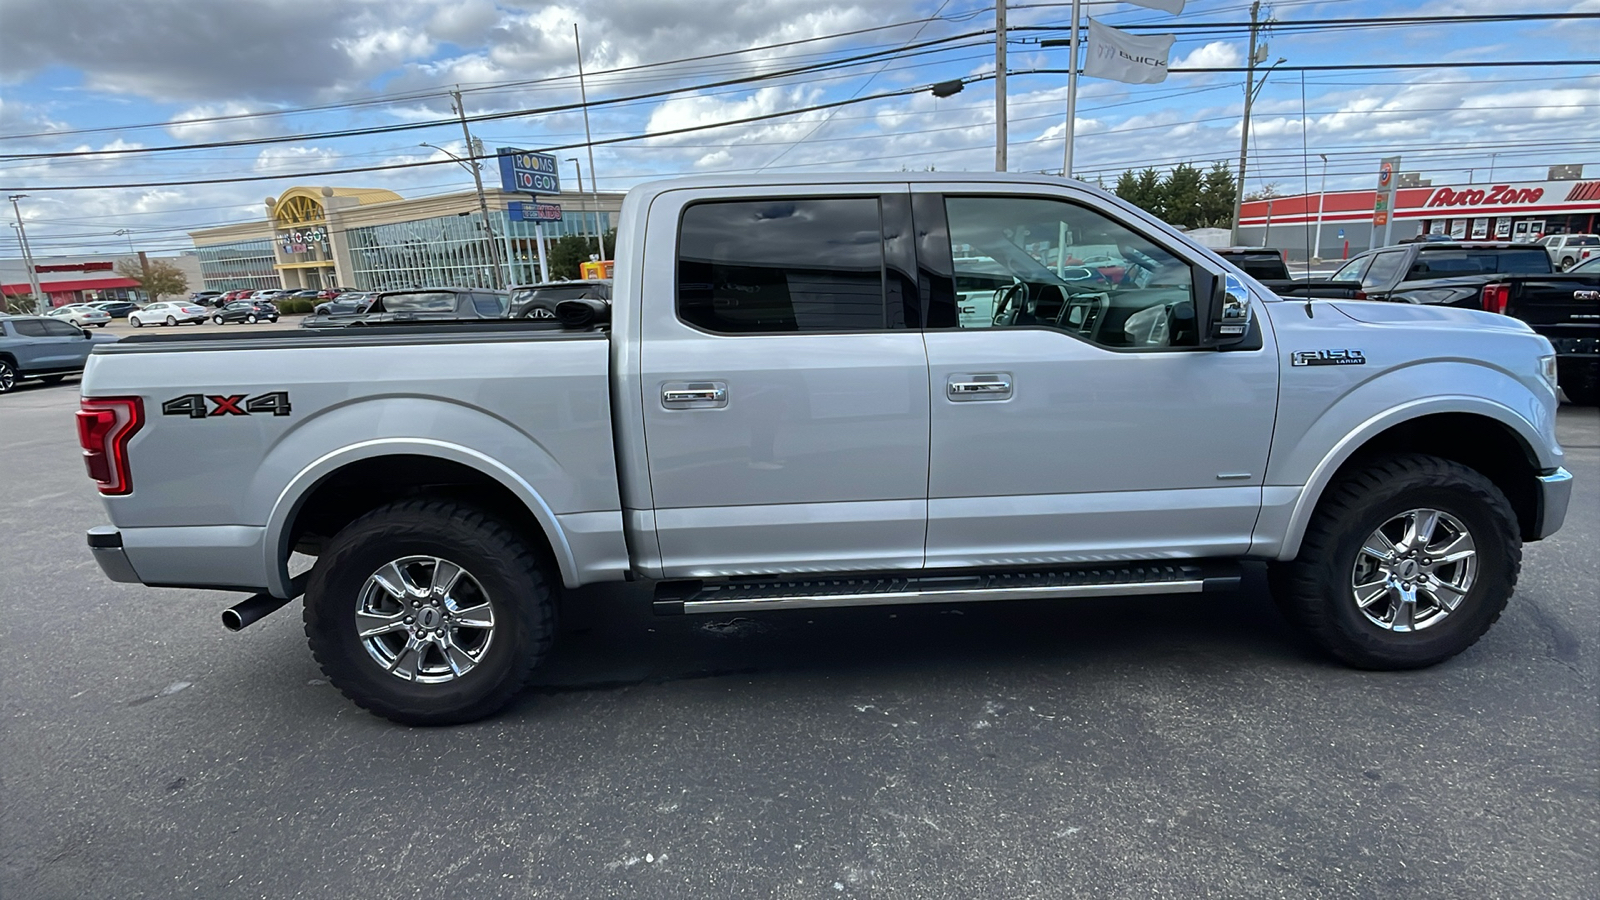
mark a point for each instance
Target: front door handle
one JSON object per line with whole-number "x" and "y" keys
{"x": 694, "y": 395}
{"x": 963, "y": 388}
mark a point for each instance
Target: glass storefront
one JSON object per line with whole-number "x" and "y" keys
{"x": 444, "y": 251}
{"x": 238, "y": 266}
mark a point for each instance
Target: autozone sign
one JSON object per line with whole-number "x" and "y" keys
{"x": 1497, "y": 195}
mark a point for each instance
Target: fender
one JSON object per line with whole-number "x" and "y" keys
{"x": 1305, "y": 502}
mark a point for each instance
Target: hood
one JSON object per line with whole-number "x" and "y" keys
{"x": 1376, "y": 312}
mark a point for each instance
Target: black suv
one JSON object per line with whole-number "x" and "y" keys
{"x": 538, "y": 301}
{"x": 247, "y": 311}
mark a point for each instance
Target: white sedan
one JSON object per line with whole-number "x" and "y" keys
{"x": 81, "y": 314}
{"x": 168, "y": 312}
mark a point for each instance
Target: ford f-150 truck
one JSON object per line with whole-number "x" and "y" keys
{"x": 792, "y": 405}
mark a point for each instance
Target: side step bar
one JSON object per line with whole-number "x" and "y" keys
{"x": 749, "y": 595}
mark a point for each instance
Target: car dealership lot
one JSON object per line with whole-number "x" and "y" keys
{"x": 1138, "y": 747}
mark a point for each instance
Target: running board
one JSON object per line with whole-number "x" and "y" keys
{"x": 750, "y": 595}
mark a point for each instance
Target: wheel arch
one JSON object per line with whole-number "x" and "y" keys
{"x": 1484, "y": 436}
{"x": 348, "y": 482}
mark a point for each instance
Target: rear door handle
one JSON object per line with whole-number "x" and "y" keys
{"x": 694, "y": 395}
{"x": 964, "y": 388}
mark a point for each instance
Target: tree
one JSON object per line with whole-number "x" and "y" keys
{"x": 1142, "y": 190}
{"x": 1180, "y": 197}
{"x": 1216, "y": 198}
{"x": 160, "y": 279}
{"x": 1267, "y": 191}
{"x": 569, "y": 251}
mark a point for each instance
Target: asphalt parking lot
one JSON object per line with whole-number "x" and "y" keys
{"x": 1145, "y": 747}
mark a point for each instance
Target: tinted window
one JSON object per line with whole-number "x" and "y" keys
{"x": 54, "y": 328}
{"x": 1063, "y": 266}
{"x": 1267, "y": 266}
{"x": 422, "y": 301}
{"x": 490, "y": 305}
{"x": 29, "y": 327}
{"x": 1484, "y": 261}
{"x": 782, "y": 265}
{"x": 1584, "y": 240}
{"x": 1351, "y": 271}
{"x": 1385, "y": 269}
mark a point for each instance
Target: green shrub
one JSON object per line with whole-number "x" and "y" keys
{"x": 295, "y": 306}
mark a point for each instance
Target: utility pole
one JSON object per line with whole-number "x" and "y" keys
{"x": 1244, "y": 129}
{"x": 477, "y": 179}
{"x": 1000, "y": 86}
{"x": 1072, "y": 94}
{"x": 588, "y": 141}
{"x": 27, "y": 255}
{"x": 584, "y": 204}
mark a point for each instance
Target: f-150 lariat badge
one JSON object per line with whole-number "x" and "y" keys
{"x": 1327, "y": 358}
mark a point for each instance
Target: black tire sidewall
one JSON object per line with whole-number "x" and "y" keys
{"x": 1372, "y": 645}
{"x": 520, "y": 604}
{"x": 6, "y": 366}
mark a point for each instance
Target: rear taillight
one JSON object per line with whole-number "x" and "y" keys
{"x": 105, "y": 424}
{"x": 1360, "y": 295}
{"x": 1495, "y": 298}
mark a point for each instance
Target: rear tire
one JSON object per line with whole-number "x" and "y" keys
{"x": 171, "y": 320}
{"x": 250, "y": 319}
{"x": 458, "y": 672}
{"x": 1323, "y": 590}
{"x": 1565, "y": 264}
{"x": 217, "y": 320}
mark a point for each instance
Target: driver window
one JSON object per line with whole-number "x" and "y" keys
{"x": 1031, "y": 262}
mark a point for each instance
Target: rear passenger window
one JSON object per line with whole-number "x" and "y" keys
{"x": 763, "y": 266}
{"x": 29, "y": 327}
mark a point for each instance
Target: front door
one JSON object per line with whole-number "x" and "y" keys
{"x": 785, "y": 400}
{"x": 1075, "y": 417}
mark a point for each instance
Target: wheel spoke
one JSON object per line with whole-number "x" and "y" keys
{"x": 1455, "y": 551}
{"x": 480, "y": 616}
{"x": 1371, "y": 592}
{"x": 392, "y": 580}
{"x": 460, "y": 661}
{"x": 1446, "y": 595}
{"x": 1379, "y": 546}
{"x": 1419, "y": 529}
{"x": 445, "y": 576}
{"x": 1404, "y": 609}
{"x": 371, "y": 624}
{"x": 408, "y": 660}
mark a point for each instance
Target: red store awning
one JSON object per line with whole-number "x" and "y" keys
{"x": 62, "y": 287}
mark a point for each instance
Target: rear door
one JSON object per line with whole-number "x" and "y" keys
{"x": 34, "y": 349}
{"x": 65, "y": 343}
{"x": 785, "y": 397}
{"x": 1081, "y": 421}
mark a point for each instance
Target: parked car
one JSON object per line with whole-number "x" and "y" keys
{"x": 206, "y": 298}
{"x": 42, "y": 347}
{"x": 538, "y": 301}
{"x": 446, "y": 304}
{"x": 81, "y": 314}
{"x": 1439, "y": 273}
{"x": 348, "y": 303}
{"x": 787, "y": 411}
{"x": 247, "y": 311}
{"x": 1567, "y": 250}
{"x": 116, "y": 309}
{"x": 1267, "y": 266}
{"x": 168, "y": 312}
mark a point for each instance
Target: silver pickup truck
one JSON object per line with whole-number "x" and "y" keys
{"x": 837, "y": 391}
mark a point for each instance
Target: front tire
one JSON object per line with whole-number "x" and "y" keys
{"x": 429, "y": 612}
{"x": 1408, "y": 561}
{"x": 8, "y": 376}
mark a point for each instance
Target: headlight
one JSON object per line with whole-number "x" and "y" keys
{"x": 1547, "y": 368}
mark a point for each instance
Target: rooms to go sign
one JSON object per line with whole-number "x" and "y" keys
{"x": 526, "y": 172}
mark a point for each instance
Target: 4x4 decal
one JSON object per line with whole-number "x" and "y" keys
{"x": 195, "y": 405}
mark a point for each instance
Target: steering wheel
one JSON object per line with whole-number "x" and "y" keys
{"x": 1010, "y": 303}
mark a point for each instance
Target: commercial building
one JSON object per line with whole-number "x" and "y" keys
{"x": 1499, "y": 210}
{"x": 373, "y": 239}
{"x": 69, "y": 279}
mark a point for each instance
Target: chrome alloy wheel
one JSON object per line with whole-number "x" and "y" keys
{"x": 1414, "y": 570}
{"x": 424, "y": 619}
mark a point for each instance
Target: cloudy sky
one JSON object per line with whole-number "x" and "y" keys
{"x": 287, "y": 76}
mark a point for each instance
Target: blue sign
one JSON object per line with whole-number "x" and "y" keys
{"x": 1341, "y": 234}
{"x": 534, "y": 212}
{"x": 526, "y": 172}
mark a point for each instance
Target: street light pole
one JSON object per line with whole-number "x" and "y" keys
{"x": 1322, "y": 193}
{"x": 588, "y": 141}
{"x": 27, "y": 254}
{"x": 584, "y": 205}
{"x": 1000, "y": 86}
{"x": 477, "y": 179}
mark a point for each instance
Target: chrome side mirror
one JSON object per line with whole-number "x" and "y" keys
{"x": 1230, "y": 311}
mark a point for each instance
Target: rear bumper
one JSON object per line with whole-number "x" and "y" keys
{"x": 1555, "y": 492}
{"x": 220, "y": 557}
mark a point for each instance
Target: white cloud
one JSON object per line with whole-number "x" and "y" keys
{"x": 1215, "y": 55}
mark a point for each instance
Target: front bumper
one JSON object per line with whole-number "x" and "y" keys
{"x": 1555, "y": 492}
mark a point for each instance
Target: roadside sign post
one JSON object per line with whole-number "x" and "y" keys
{"x": 526, "y": 172}
{"x": 1383, "y": 206}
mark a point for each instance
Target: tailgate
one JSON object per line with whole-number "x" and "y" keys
{"x": 1563, "y": 308}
